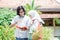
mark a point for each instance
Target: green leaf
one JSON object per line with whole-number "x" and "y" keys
{"x": 32, "y": 4}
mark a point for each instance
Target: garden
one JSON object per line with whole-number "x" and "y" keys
{"x": 6, "y": 16}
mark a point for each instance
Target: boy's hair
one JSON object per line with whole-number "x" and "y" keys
{"x": 19, "y": 8}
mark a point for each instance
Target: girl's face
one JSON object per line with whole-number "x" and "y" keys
{"x": 30, "y": 16}
{"x": 21, "y": 12}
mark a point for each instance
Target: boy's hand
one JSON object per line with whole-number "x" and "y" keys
{"x": 24, "y": 28}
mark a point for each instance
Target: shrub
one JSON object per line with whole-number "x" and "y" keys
{"x": 47, "y": 33}
{"x": 6, "y": 33}
{"x": 6, "y": 15}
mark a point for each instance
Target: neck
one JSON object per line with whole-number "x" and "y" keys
{"x": 21, "y": 16}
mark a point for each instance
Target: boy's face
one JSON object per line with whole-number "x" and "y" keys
{"x": 21, "y": 12}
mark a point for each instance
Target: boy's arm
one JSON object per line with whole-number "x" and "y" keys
{"x": 13, "y": 22}
{"x": 12, "y": 25}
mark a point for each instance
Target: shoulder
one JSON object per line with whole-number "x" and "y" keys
{"x": 35, "y": 21}
{"x": 16, "y": 17}
{"x": 26, "y": 17}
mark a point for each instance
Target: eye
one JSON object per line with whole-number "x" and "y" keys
{"x": 21, "y": 12}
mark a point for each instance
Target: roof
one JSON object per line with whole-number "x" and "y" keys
{"x": 49, "y": 9}
{"x": 42, "y": 3}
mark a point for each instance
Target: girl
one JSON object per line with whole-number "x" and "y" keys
{"x": 35, "y": 24}
{"x": 21, "y": 21}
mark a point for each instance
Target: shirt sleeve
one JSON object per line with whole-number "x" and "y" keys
{"x": 28, "y": 23}
{"x": 14, "y": 21}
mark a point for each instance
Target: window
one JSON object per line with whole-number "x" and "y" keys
{"x": 48, "y": 22}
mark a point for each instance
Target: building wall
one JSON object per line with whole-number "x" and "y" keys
{"x": 43, "y": 3}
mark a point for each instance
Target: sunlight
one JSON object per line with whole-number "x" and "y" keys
{"x": 58, "y": 1}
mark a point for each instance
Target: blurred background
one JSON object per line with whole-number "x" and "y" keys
{"x": 49, "y": 11}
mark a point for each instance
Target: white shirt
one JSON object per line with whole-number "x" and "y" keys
{"x": 21, "y": 21}
{"x": 33, "y": 26}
